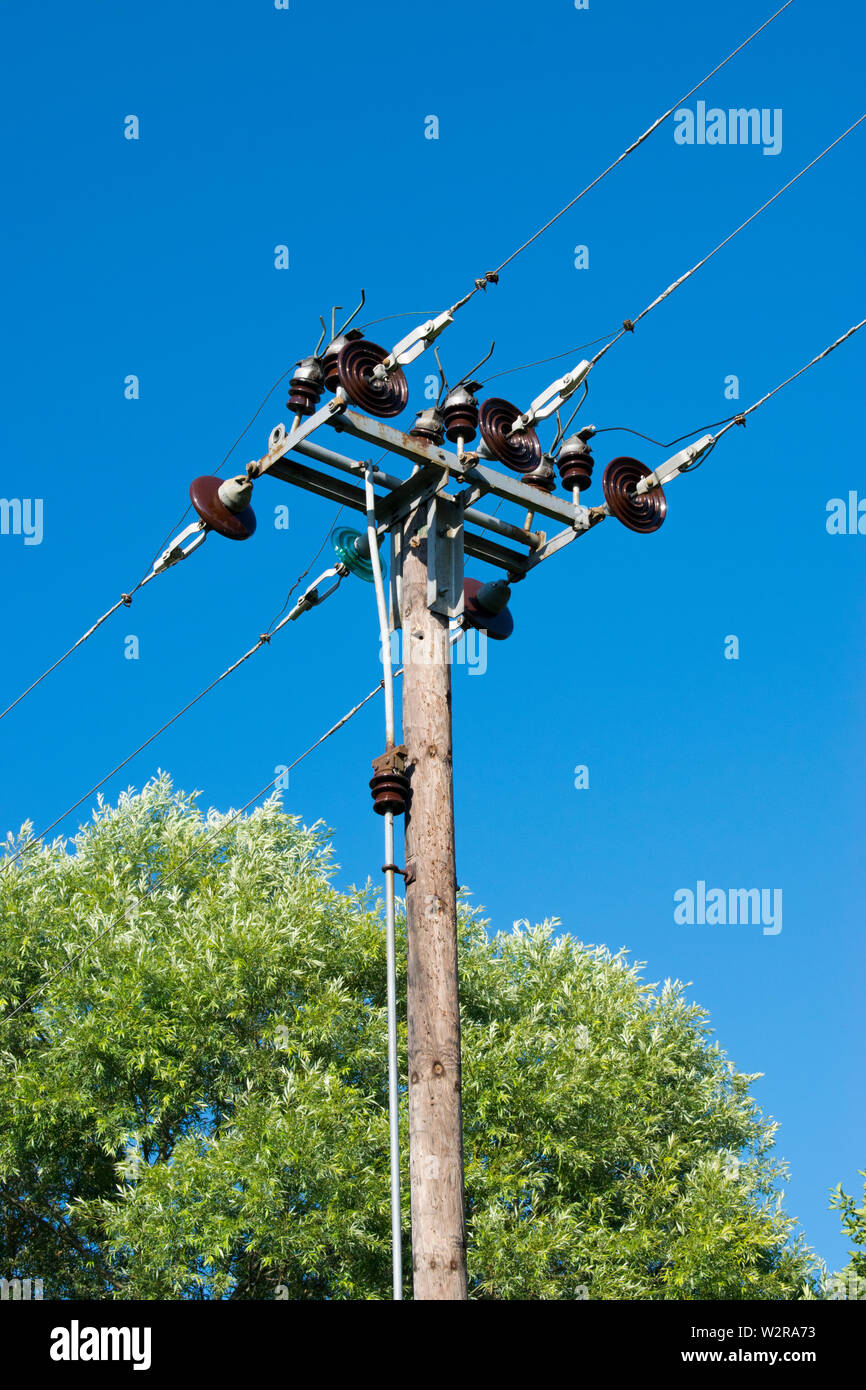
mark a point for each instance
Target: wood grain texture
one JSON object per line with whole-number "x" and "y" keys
{"x": 435, "y": 1113}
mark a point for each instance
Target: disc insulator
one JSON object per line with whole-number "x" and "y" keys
{"x": 645, "y": 513}
{"x": 460, "y": 413}
{"x": 384, "y": 396}
{"x": 352, "y": 550}
{"x": 332, "y": 352}
{"x": 390, "y": 793}
{"x": 204, "y": 495}
{"x": 497, "y": 625}
{"x": 520, "y": 452}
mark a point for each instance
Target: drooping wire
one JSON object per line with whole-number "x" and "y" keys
{"x": 740, "y": 419}
{"x": 562, "y": 429}
{"x": 665, "y": 443}
{"x": 327, "y": 537}
{"x": 406, "y": 314}
{"x": 126, "y": 598}
{"x": 542, "y": 361}
{"x": 630, "y": 324}
{"x": 492, "y": 276}
{"x": 305, "y": 572}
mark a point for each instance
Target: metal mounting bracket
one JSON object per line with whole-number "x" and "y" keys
{"x": 445, "y": 543}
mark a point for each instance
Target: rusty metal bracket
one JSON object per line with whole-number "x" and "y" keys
{"x": 392, "y": 760}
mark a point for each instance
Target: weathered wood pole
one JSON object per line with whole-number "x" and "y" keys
{"x": 433, "y": 1008}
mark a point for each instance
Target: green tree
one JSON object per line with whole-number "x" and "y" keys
{"x": 850, "y": 1282}
{"x": 194, "y": 1103}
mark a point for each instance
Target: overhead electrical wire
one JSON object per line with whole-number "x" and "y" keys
{"x": 630, "y": 324}
{"x": 126, "y": 598}
{"x": 224, "y": 460}
{"x": 492, "y": 276}
{"x": 309, "y": 599}
{"x": 665, "y": 443}
{"x": 542, "y": 361}
{"x": 682, "y": 463}
{"x": 741, "y": 418}
{"x": 167, "y": 878}
{"x": 304, "y": 573}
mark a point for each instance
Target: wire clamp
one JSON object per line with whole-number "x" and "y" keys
{"x": 177, "y": 551}
{"x": 682, "y": 462}
{"x": 553, "y": 397}
{"x": 413, "y": 345}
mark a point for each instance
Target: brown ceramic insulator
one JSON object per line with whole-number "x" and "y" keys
{"x": 460, "y": 413}
{"x": 575, "y": 465}
{"x": 390, "y": 792}
{"x": 521, "y": 452}
{"x": 383, "y": 396}
{"x": 305, "y": 387}
{"x": 645, "y": 513}
{"x": 204, "y": 495}
{"x": 332, "y": 352}
{"x": 428, "y": 425}
{"x": 543, "y": 477}
{"x": 302, "y": 400}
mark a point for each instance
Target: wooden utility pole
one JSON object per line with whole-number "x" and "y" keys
{"x": 433, "y": 1008}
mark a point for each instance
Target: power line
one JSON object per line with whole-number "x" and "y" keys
{"x": 492, "y": 275}
{"x": 166, "y": 878}
{"x": 126, "y": 598}
{"x": 304, "y": 573}
{"x": 123, "y": 602}
{"x": 263, "y": 640}
{"x": 665, "y": 443}
{"x": 542, "y": 361}
{"x": 630, "y": 324}
{"x": 221, "y": 465}
{"x": 741, "y": 418}
{"x": 691, "y": 459}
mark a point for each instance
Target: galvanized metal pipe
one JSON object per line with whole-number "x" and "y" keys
{"x": 390, "y": 950}
{"x": 388, "y": 480}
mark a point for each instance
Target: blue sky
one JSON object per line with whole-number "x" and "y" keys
{"x": 305, "y": 127}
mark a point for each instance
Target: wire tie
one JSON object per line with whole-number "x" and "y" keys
{"x": 627, "y": 326}
{"x": 739, "y": 419}
{"x": 265, "y": 637}
{"x": 126, "y": 599}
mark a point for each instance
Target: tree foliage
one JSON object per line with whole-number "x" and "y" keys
{"x": 851, "y": 1281}
{"x": 195, "y": 1104}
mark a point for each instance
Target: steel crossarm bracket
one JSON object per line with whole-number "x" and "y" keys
{"x": 384, "y": 436}
{"x": 282, "y": 440}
